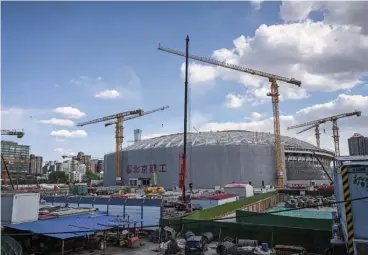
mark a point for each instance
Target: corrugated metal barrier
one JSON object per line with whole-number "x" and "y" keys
{"x": 149, "y": 210}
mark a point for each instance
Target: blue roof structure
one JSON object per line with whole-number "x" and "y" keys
{"x": 81, "y": 222}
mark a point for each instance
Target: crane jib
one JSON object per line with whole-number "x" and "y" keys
{"x": 233, "y": 67}
{"x": 324, "y": 120}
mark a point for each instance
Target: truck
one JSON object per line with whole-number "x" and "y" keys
{"x": 350, "y": 223}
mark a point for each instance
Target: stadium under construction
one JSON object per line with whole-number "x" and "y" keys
{"x": 218, "y": 158}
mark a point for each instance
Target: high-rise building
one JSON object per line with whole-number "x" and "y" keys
{"x": 36, "y": 164}
{"x": 32, "y": 167}
{"x": 84, "y": 159}
{"x": 59, "y": 166}
{"x": 97, "y": 165}
{"x": 100, "y": 166}
{"x": 74, "y": 169}
{"x": 358, "y": 145}
{"x": 16, "y": 151}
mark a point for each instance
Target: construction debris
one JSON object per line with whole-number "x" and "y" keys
{"x": 309, "y": 201}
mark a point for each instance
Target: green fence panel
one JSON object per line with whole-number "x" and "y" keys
{"x": 282, "y": 221}
{"x": 225, "y": 209}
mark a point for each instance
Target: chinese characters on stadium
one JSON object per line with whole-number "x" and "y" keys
{"x": 146, "y": 169}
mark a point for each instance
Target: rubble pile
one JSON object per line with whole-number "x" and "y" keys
{"x": 309, "y": 201}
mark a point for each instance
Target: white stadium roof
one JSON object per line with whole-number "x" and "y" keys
{"x": 236, "y": 137}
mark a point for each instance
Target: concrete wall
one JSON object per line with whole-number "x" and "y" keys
{"x": 208, "y": 166}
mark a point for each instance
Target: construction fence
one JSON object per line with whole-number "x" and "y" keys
{"x": 313, "y": 234}
{"x": 315, "y": 241}
{"x": 254, "y": 218}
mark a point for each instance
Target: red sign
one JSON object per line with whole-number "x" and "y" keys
{"x": 143, "y": 169}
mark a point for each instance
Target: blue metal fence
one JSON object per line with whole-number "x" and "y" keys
{"x": 148, "y": 210}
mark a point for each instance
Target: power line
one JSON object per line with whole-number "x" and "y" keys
{"x": 191, "y": 222}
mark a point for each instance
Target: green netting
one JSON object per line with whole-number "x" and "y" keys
{"x": 225, "y": 209}
{"x": 282, "y": 221}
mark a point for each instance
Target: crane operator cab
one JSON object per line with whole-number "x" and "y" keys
{"x": 350, "y": 222}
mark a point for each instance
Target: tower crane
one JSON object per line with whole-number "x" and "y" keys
{"x": 335, "y": 129}
{"x": 274, "y": 94}
{"x": 133, "y": 117}
{"x": 19, "y": 134}
{"x": 119, "y": 118}
{"x": 118, "y": 135}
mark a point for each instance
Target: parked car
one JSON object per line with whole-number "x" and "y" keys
{"x": 196, "y": 245}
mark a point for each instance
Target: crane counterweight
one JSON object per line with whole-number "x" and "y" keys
{"x": 19, "y": 134}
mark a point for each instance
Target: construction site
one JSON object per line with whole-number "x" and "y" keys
{"x": 225, "y": 192}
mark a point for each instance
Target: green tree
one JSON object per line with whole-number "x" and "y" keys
{"x": 58, "y": 177}
{"x": 92, "y": 176}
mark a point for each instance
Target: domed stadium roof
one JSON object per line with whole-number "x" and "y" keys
{"x": 235, "y": 137}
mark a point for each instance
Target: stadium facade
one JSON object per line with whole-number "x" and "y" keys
{"x": 218, "y": 158}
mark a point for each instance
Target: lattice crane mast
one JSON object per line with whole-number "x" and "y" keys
{"x": 335, "y": 129}
{"x": 118, "y": 134}
{"x": 19, "y": 134}
{"x": 274, "y": 94}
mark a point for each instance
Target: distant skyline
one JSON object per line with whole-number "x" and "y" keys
{"x": 68, "y": 62}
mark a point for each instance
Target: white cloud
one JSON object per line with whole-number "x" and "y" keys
{"x": 128, "y": 86}
{"x": 324, "y": 57}
{"x": 342, "y": 104}
{"x": 22, "y": 118}
{"x": 298, "y": 11}
{"x": 234, "y": 101}
{"x": 70, "y": 112}
{"x": 256, "y": 4}
{"x": 256, "y": 115}
{"x": 67, "y": 134}
{"x": 108, "y": 94}
{"x": 65, "y": 152}
{"x": 335, "y": 12}
{"x": 199, "y": 74}
{"x": 60, "y": 122}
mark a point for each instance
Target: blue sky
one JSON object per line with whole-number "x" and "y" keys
{"x": 60, "y": 54}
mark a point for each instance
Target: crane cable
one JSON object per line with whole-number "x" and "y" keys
{"x": 190, "y": 129}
